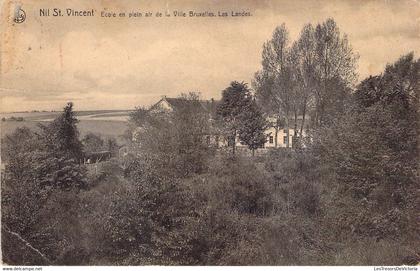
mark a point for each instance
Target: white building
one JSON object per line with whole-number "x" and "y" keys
{"x": 209, "y": 107}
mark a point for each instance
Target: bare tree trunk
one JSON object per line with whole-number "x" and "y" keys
{"x": 295, "y": 129}
{"x": 324, "y": 93}
{"x": 303, "y": 117}
{"x": 276, "y": 135}
{"x": 234, "y": 143}
{"x": 288, "y": 131}
{"x": 321, "y": 114}
{"x": 318, "y": 109}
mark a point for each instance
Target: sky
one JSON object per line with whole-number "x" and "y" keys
{"x": 121, "y": 63}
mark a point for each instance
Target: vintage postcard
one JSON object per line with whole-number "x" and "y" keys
{"x": 210, "y": 133}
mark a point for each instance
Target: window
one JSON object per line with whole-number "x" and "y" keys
{"x": 271, "y": 140}
{"x": 285, "y": 131}
{"x": 208, "y": 140}
{"x": 285, "y": 140}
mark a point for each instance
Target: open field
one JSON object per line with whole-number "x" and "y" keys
{"x": 106, "y": 123}
{"x": 48, "y": 116}
{"x": 105, "y": 128}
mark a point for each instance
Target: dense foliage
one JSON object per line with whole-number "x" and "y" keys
{"x": 375, "y": 159}
{"x": 240, "y": 117}
{"x": 40, "y": 192}
{"x": 347, "y": 198}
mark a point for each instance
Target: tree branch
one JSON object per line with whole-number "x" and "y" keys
{"x": 26, "y": 243}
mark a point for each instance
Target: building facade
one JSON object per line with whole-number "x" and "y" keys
{"x": 284, "y": 137}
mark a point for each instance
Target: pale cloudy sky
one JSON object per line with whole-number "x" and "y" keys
{"x": 120, "y": 63}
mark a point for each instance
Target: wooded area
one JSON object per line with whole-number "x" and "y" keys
{"x": 347, "y": 194}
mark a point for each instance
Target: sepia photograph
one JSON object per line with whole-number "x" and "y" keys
{"x": 210, "y": 133}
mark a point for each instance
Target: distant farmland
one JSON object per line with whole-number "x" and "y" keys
{"x": 108, "y": 123}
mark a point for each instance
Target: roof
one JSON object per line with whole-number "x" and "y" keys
{"x": 179, "y": 103}
{"x": 205, "y": 106}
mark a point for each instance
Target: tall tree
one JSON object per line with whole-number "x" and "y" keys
{"x": 235, "y": 99}
{"x": 253, "y": 125}
{"x": 62, "y": 135}
{"x": 374, "y": 156}
{"x": 40, "y": 188}
{"x": 273, "y": 82}
{"x": 62, "y": 151}
{"x": 313, "y": 75}
{"x": 335, "y": 70}
{"x": 304, "y": 62}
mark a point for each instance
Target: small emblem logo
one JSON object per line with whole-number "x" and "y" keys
{"x": 20, "y": 15}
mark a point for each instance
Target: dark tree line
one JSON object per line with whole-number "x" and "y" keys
{"x": 373, "y": 151}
